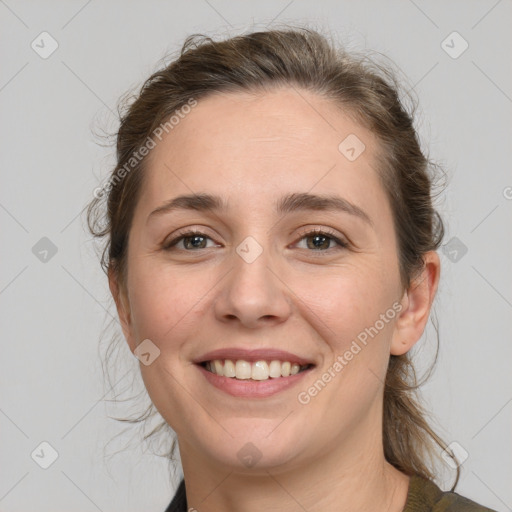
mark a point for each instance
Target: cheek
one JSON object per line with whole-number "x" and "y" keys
{"x": 345, "y": 302}
{"x": 163, "y": 302}
{"x": 167, "y": 309}
{"x": 353, "y": 314}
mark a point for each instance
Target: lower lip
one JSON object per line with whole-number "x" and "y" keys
{"x": 252, "y": 388}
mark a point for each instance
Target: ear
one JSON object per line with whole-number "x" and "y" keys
{"x": 123, "y": 306}
{"x": 416, "y": 303}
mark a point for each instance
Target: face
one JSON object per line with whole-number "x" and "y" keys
{"x": 272, "y": 275}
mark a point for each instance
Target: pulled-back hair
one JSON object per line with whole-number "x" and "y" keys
{"x": 368, "y": 92}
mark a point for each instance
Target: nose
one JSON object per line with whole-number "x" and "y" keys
{"x": 252, "y": 294}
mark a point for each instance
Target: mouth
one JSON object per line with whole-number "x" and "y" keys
{"x": 256, "y": 371}
{"x": 253, "y": 373}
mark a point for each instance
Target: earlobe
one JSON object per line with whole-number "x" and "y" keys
{"x": 416, "y": 302}
{"x": 123, "y": 307}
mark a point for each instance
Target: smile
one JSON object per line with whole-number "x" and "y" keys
{"x": 256, "y": 371}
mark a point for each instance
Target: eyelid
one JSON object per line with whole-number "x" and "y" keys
{"x": 340, "y": 240}
{"x": 321, "y": 229}
{"x": 184, "y": 233}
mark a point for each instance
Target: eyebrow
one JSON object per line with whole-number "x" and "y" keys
{"x": 288, "y": 204}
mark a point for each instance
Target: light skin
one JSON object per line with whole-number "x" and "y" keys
{"x": 252, "y": 150}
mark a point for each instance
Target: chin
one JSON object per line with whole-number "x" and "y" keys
{"x": 254, "y": 448}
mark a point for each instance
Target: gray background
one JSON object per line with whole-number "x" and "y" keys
{"x": 53, "y": 312}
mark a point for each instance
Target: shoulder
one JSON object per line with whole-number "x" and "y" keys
{"x": 423, "y": 496}
{"x": 426, "y": 496}
{"x": 179, "y": 502}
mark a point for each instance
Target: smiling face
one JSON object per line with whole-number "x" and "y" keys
{"x": 256, "y": 278}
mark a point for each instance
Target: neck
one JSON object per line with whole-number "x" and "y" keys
{"x": 354, "y": 477}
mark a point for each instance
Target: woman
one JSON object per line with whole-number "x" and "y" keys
{"x": 272, "y": 255}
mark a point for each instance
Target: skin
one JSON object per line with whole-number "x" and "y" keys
{"x": 252, "y": 149}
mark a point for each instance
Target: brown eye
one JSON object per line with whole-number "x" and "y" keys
{"x": 318, "y": 240}
{"x": 191, "y": 240}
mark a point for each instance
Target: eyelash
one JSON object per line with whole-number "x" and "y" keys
{"x": 315, "y": 232}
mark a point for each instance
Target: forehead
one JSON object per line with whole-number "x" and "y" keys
{"x": 275, "y": 120}
{"x": 246, "y": 146}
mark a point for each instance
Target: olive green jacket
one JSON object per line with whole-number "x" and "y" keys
{"x": 423, "y": 496}
{"x": 426, "y": 496}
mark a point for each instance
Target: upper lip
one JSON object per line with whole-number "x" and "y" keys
{"x": 262, "y": 354}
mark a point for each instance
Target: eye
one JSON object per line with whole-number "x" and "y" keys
{"x": 321, "y": 240}
{"x": 191, "y": 240}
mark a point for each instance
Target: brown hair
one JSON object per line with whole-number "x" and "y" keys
{"x": 302, "y": 58}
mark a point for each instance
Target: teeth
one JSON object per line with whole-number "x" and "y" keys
{"x": 259, "y": 370}
{"x": 294, "y": 369}
{"x": 274, "y": 369}
{"x": 229, "y": 368}
{"x": 243, "y": 369}
{"x": 217, "y": 367}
